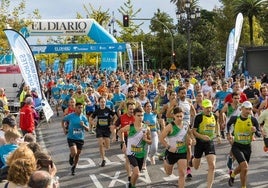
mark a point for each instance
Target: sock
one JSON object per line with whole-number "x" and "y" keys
{"x": 129, "y": 177}
{"x": 233, "y": 175}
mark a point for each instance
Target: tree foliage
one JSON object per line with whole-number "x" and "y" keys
{"x": 133, "y": 29}
{"x": 162, "y": 28}
{"x": 15, "y": 19}
{"x": 250, "y": 9}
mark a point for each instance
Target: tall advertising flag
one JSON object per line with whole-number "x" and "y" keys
{"x": 238, "y": 29}
{"x": 26, "y": 62}
{"x": 130, "y": 56}
{"x": 230, "y": 56}
{"x": 232, "y": 44}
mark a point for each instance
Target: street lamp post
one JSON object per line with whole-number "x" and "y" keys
{"x": 187, "y": 17}
{"x": 112, "y": 30}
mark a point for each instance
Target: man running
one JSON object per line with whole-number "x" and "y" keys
{"x": 205, "y": 127}
{"x": 244, "y": 127}
{"x": 77, "y": 125}
{"x": 138, "y": 136}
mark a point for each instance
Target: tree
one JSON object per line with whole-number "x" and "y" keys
{"x": 163, "y": 28}
{"x": 133, "y": 29}
{"x": 224, "y": 22}
{"x": 102, "y": 17}
{"x": 250, "y": 9}
{"x": 181, "y": 3}
{"x": 13, "y": 19}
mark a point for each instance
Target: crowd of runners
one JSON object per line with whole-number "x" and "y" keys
{"x": 176, "y": 115}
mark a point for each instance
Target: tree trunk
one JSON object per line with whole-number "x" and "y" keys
{"x": 250, "y": 21}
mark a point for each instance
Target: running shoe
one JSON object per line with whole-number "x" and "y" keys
{"x": 231, "y": 181}
{"x": 229, "y": 162}
{"x": 103, "y": 163}
{"x": 73, "y": 170}
{"x": 189, "y": 174}
{"x": 71, "y": 160}
{"x": 92, "y": 132}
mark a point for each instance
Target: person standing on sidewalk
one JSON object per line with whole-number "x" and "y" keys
{"x": 138, "y": 135}
{"x": 27, "y": 124}
{"x": 244, "y": 126}
{"x": 205, "y": 127}
{"x": 77, "y": 125}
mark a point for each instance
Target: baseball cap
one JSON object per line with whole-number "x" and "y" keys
{"x": 131, "y": 89}
{"x": 247, "y": 104}
{"x": 206, "y": 103}
{"x": 9, "y": 120}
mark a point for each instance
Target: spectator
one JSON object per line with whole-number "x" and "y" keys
{"x": 34, "y": 146}
{"x": 22, "y": 152}
{"x": 29, "y": 138}
{"x": 27, "y": 124}
{"x": 11, "y": 137}
{"x": 19, "y": 173}
{"x": 8, "y": 123}
{"x": 3, "y": 99}
{"x": 23, "y": 93}
{"x": 40, "y": 179}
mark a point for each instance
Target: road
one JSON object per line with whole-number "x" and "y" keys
{"x": 89, "y": 174}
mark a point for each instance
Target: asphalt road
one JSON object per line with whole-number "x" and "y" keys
{"x": 89, "y": 174}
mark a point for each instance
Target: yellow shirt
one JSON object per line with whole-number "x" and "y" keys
{"x": 242, "y": 131}
{"x": 193, "y": 81}
{"x": 257, "y": 85}
{"x": 208, "y": 126}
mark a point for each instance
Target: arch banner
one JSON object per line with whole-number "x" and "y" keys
{"x": 77, "y": 27}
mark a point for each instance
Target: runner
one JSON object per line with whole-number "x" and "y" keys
{"x": 138, "y": 136}
{"x": 244, "y": 127}
{"x": 178, "y": 138}
{"x": 91, "y": 106}
{"x": 263, "y": 120}
{"x": 105, "y": 118}
{"x": 189, "y": 114}
{"x": 130, "y": 98}
{"x": 150, "y": 119}
{"x": 77, "y": 125}
{"x": 205, "y": 127}
{"x": 229, "y": 110}
{"x": 122, "y": 121}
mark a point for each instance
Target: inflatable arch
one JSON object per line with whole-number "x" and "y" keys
{"x": 75, "y": 27}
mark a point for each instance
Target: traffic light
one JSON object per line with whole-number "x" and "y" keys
{"x": 125, "y": 20}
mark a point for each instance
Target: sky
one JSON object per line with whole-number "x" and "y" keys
{"x": 64, "y": 9}
{"x": 69, "y": 8}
